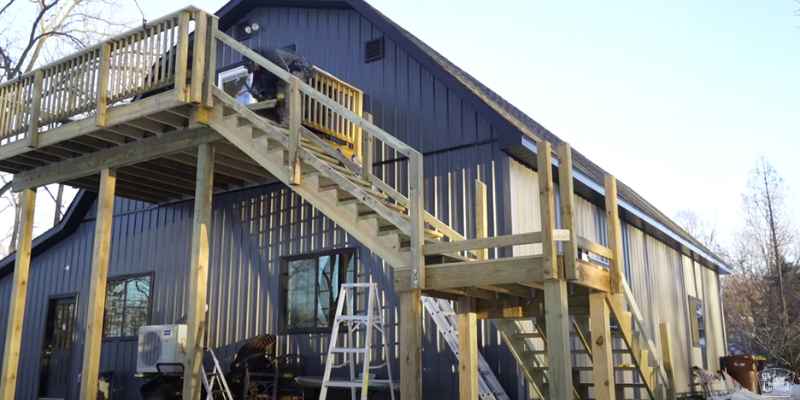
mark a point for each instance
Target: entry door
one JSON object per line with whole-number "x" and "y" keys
{"x": 57, "y": 351}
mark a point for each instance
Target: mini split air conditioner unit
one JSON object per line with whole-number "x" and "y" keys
{"x": 163, "y": 345}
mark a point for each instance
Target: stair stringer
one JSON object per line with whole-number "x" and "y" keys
{"x": 519, "y": 347}
{"x": 638, "y": 355}
{"x": 325, "y": 201}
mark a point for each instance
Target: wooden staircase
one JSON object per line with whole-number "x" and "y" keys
{"x": 527, "y": 343}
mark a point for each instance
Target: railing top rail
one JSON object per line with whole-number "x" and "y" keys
{"x": 285, "y": 76}
{"x": 338, "y": 81}
{"x": 97, "y": 46}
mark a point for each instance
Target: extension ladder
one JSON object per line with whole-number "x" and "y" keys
{"x": 215, "y": 380}
{"x": 443, "y": 315}
{"x": 353, "y": 322}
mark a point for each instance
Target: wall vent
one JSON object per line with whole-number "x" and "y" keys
{"x": 373, "y": 50}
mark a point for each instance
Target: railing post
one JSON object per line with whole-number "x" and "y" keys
{"x": 556, "y": 299}
{"x": 416, "y": 203}
{"x": 481, "y": 217}
{"x": 198, "y": 57}
{"x": 366, "y": 151}
{"x": 211, "y": 61}
{"x": 567, "y": 192}
{"x": 182, "y": 57}
{"x": 614, "y": 234}
{"x": 101, "y": 115}
{"x": 36, "y": 109}
{"x": 295, "y": 125}
{"x": 547, "y": 209}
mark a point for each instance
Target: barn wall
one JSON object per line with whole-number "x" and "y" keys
{"x": 252, "y": 229}
{"x": 659, "y": 276}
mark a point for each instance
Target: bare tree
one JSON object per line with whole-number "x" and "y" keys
{"x": 51, "y": 29}
{"x": 700, "y": 229}
{"x": 761, "y": 303}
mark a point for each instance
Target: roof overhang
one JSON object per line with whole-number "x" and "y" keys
{"x": 72, "y": 218}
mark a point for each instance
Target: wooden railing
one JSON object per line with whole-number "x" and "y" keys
{"x": 86, "y": 83}
{"x": 15, "y": 112}
{"x": 370, "y": 133}
{"x": 322, "y": 118}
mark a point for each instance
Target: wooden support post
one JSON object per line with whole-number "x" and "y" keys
{"x": 199, "y": 57}
{"x": 481, "y": 217}
{"x": 555, "y": 287}
{"x": 366, "y": 155}
{"x": 411, "y": 345}
{"x": 19, "y": 295}
{"x": 36, "y": 109}
{"x": 467, "y": 322}
{"x": 182, "y": 57}
{"x": 602, "y": 343}
{"x": 558, "y": 339}
{"x": 416, "y": 204}
{"x": 211, "y": 61}
{"x": 614, "y": 234}
{"x": 666, "y": 359}
{"x": 567, "y": 192}
{"x": 295, "y": 127}
{"x": 204, "y": 191}
{"x": 547, "y": 209}
{"x": 101, "y": 114}
{"x": 97, "y": 287}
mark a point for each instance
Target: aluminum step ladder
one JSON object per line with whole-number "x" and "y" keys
{"x": 352, "y": 322}
{"x": 443, "y": 315}
{"x": 214, "y": 381}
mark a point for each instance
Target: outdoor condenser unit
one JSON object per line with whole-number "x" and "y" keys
{"x": 160, "y": 344}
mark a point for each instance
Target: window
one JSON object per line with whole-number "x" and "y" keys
{"x": 128, "y": 303}
{"x": 374, "y": 50}
{"x": 698, "y": 325}
{"x": 311, "y": 288}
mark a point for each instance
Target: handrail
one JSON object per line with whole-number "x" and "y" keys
{"x": 416, "y": 207}
{"x": 637, "y": 316}
{"x": 285, "y": 76}
{"x": 71, "y": 56}
{"x": 559, "y": 235}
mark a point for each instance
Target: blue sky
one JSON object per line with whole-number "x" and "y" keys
{"x": 678, "y": 99}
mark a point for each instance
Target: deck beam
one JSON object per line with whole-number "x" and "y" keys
{"x": 19, "y": 294}
{"x": 114, "y": 157}
{"x": 475, "y": 273}
{"x": 97, "y": 292}
{"x": 116, "y": 116}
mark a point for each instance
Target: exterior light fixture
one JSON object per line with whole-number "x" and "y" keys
{"x": 249, "y": 28}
